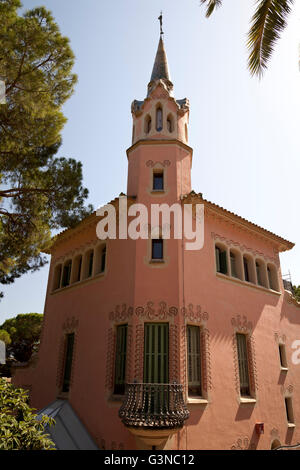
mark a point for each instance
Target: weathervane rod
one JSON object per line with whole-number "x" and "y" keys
{"x": 160, "y": 21}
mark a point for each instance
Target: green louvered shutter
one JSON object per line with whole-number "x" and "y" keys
{"x": 243, "y": 364}
{"x": 120, "y": 367}
{"x": 156, "y": 353}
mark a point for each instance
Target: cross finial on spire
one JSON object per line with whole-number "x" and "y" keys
{"x": 160, "y": 21}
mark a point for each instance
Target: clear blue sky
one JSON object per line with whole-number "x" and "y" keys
{"x": 244, "y": 132}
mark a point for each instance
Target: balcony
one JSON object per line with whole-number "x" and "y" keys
{"x": 153, "y": 412}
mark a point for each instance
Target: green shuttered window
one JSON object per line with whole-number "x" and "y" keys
{"x": 194, "y": 360}
{"x": 243, "y": 364}
{"x": 120, "y": 364}
{"x": 156, "y": 353}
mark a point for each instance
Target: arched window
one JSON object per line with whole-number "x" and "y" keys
{"x": 260, "y": 273}
{"x": 148, "y": 123}
{"x": 236, "y": 264}
{"x": 249, "y": 272}
{"x": 272, "y": 277}
{"x": 221, "y": 259}
{"x": 100, "y": 259}
{"x": 133, "y": 133}
{"x": 66, "y": 277}
{"x": 76, "y": 273}
{"x": 159, "y": 119}
{"x": 57, "y": 276}
{"x": 88, "y": 264}
{"x": 170, "y": 125}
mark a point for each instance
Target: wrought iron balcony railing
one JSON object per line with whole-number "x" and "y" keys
{"x": 159, "y": 406}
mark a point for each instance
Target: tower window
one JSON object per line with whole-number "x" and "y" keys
{"x": 148, "y": 123}
{"x": 170, "y": 125}
{"x": 282, "y": 356}
{"x": 289, "y": 410}
{"x": 158, "y": 180}
{"x": 157, "y": 249}
{"x": 159, "y": 119}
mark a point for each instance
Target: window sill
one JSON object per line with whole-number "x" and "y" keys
{"x": 157, "y": 261}
{"x": 291, "y": 425}
{"x": 116, "y": 399}
{"x": 284, "y": 369}
{"x": 247, "y": 400}
{"x": 157, "y": 191}
{"x": 197, "y": 401}
{"x": 236, "y": 280}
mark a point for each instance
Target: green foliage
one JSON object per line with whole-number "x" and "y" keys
{"x": 24, "y": 331}
{"x": 39, "y": 192}
{"x": 267, "y": 23}
{"x": 4, "y": 336}
{"x": 19, "y": 427}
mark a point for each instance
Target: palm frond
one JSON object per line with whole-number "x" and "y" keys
{"x": 211, "y": 6}
{"x": 267, "y": 23}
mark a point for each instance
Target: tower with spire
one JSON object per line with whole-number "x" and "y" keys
{"x": 148, "y": 345}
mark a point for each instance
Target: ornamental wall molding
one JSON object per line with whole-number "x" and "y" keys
{"x": 241, "y": 324}
{"x": 152, "y": 164}
{"x": 159, "y": 311}
{"x": 280, "y": 338}
{"x": 242, "y": 228}
{"x": 80, "y": 250}
{"x": 287, "y": 391}
{"x": 70, "y": 325}
{"x": 243, "y": 443}
{"x": 243, "y": 248}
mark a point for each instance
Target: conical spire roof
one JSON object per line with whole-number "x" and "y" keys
{"x": 160, "y": 69}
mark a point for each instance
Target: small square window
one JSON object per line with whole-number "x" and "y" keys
{"x": 158, "y": 181}
{"x": 157, "y": 249}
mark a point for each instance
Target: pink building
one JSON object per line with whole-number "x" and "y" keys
{"x": 204, "y": 339}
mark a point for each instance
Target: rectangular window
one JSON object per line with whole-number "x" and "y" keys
{"x": 194, "y": 360}
{"x": 120, "y": 364}
{"x": 158, "y": 181}
{"x": 157, "y": 249}
{"x": 221, "y": 260}
{"x": 68, "y": 361}
{"x": 289, "y": 410}
{"x": 282, "y": 355}
{"x": 243, "y": 364}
